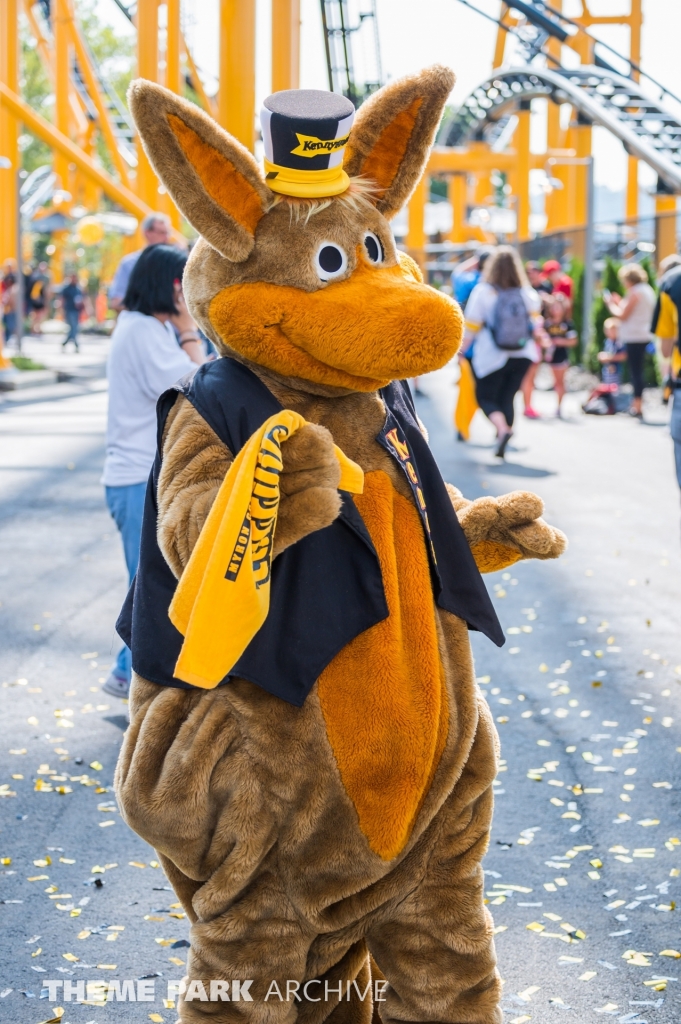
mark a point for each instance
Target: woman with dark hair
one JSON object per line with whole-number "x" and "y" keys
{"x": 154, "y": 343}
{"x": 502, "y": 318}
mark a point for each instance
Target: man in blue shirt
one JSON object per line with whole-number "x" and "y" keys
{"x": 156, "y": 230}
{"x": 466, "y": 275}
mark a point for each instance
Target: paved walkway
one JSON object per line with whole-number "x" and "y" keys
{"x": 606, "y": 614}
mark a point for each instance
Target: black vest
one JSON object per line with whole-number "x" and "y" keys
{"x": 327, "y": 588}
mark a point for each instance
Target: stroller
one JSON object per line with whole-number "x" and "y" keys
{"x": 606, "y": 400}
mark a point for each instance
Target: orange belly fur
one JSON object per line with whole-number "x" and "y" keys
{"x": 383, "y": 696}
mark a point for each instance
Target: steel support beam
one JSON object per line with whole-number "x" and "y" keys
{"x": 147, "y": 67}
{"x": 236, "y": 98}
{"x": 9, "y": 129}
{"x": 285, "y": 44}
{"x": 34, "y": 122}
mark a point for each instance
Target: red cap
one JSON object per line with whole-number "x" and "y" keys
{"x": 551, "y": 266}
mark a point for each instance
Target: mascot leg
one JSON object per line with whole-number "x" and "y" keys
{"x": 436, "y": 949}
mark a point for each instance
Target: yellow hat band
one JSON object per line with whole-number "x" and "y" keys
{"x": 306, "y": 184}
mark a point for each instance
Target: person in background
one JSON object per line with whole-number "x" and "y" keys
{"x": 9, "y": 288}
{"x": 560, "y": 281}
{"x": 537, "y": 279}
{"x": 145, "y": 359}
{"x": 665, "y": 325}
{"x": 156, "y": 230}
{"x": 39, "y": 295}
{"x": 467, "y": 274}
{"x": 561, "y": 336}
{"x": 72, "y": 303}
{"x": 502, "y": 320}
{"x": 635, "y": 314}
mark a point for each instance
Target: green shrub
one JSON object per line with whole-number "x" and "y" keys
{"x": 24, "y": 363}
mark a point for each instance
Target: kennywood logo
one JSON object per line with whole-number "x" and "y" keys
{"x": 308, "y": 145}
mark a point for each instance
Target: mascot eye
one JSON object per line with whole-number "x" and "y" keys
{"x": 373, "y": 246}
{"x": 330, "y": 261}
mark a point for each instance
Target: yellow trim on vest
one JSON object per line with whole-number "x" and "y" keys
{"x": 306, "y": 184}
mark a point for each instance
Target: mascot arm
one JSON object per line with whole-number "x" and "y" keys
{"x": 195, "y": 462}
{"x": 503, "y": 530}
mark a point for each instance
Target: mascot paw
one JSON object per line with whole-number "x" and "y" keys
{"x": 503, "y": 530}
{"x": 308, "y": 484}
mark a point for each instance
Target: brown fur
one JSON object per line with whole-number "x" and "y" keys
{"x": 261, "y": 812}
{"x": 394, "y": 131}
{"x": 503, "y": 530}
{"x": 250, "y": 843}
{"x": 195, "y": 463}
{"x": 227, "y": 227}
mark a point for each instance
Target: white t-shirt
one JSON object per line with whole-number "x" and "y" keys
{"x": 144, "y": 361}
{"x": 637, "y": 325}
{"x": 487, "y": 357}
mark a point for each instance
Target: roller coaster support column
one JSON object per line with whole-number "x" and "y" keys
{"x": 522, "y": 174}
{"x": 416, "y": 235}
{"x": 665, "y": 223}
{"x": 635, "y": 22}
{"x": 147, "y": 67}
{"x": 582, "y": 136}
{"x": 61, "y": 24}
{"x": 173, "y": 81}
{"x": 236, "y": 98}
{"x": 285, "y": 44}
{"x": 457, "y": 192}
{"x": 9, "y": 131}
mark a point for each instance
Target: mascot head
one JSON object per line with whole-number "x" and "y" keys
{"x": 297, "y": 270}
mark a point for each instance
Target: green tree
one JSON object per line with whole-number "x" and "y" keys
{"x": 609, "y": 282}
{"x": 576, "y": 272}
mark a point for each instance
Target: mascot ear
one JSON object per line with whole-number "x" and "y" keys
{"x": 393, "y": 132}
{"x": 213, "y": 179}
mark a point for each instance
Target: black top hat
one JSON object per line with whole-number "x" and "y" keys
{"x": 305, "y": 132}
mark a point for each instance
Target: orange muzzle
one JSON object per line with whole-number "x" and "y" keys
{"x": 378, "y": 325}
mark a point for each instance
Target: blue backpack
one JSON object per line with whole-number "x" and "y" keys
{"x": 511, "y": 328}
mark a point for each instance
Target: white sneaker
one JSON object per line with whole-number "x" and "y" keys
{"x": 116, "y": 685}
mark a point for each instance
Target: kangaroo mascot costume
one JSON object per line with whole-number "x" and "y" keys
{"x": 308, "y": 751}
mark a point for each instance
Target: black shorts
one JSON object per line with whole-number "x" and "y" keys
{"x": 559, "y": 356}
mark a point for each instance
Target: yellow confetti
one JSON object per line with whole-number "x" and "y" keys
{"x": 106, "y": 967}
{"x": 535, "y": 926}
{"x": 33, "y": 720}
{"x": 528, "y": 992}
{"x": 22, "y": 751}
{"x": 671, "y": 952}
{"x": 153, "y": 917}
{"x": 180, "y": 963}
{"x": 66, "y": 860}
{"x": 636, "y": 959}
{"x": 37, "y": 878}
{"x": 96, "y": 765}
{"x": 588, "y": 975}
{"x": 608, "y": 1008}
{"x": 43, "y": 862}
{"x": 521, "y": 1020}
{"x": 497, "y": 931}
{"x": 154, "y": 864}
{"x": 656, "y": 985}
{"x": 156, "y": 1017}
{"x": 76, "y": 912}
{"x": 647, "y": 822}
{"x": 40, "y": 949}
{"x": 169, "y": 1003}
{"x": 85, "y": 934}
{"x": 70, "y": 957}
{"x": 136, "y": 864}
{"x": 165, "y": 942}
{"x": 552, "y": 917}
